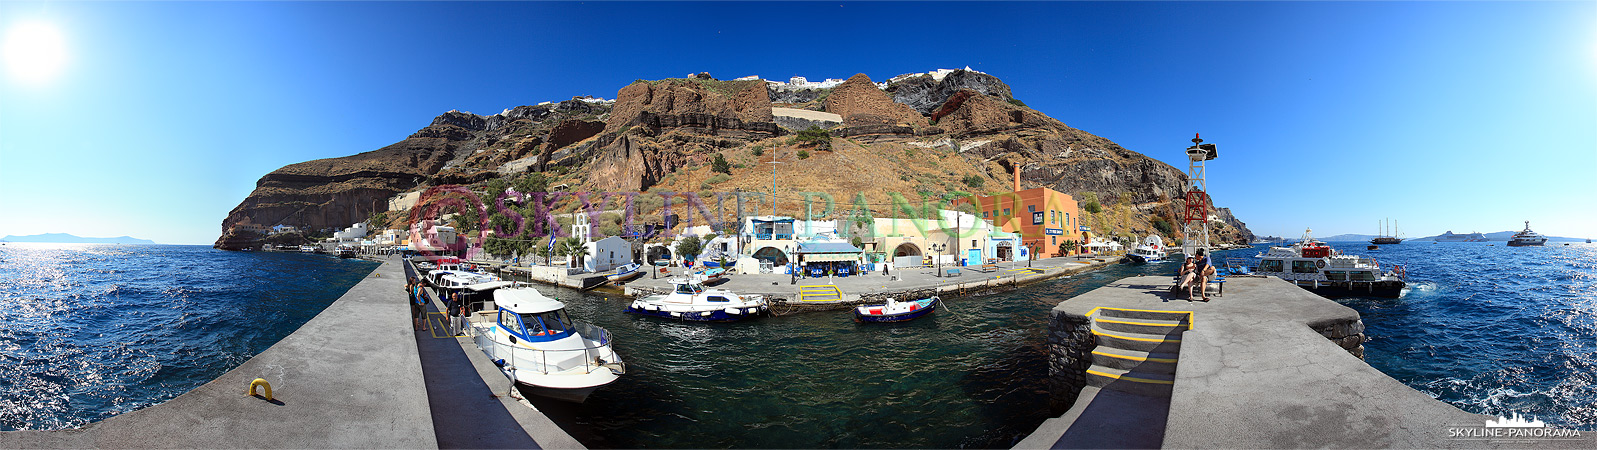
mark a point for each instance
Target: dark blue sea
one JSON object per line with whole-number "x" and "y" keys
{"x": 1489, "y": 328}
{"x": 88, "y": 331}
{"x": 97, "y": 330}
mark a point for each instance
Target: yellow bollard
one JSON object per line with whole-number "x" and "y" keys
{"x": 265, "y": 387}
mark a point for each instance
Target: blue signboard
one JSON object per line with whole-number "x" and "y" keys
{"x": 1086, "y": 228}
{"x": 1053, "y": 231}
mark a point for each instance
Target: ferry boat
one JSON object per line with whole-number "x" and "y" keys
{"x": 307, "y": 249}
{"x": 690, "y": 300}
{"x": 1527, "y": 238}
{"x": 1450, "y": 237}
{"x": 1151, "y": 249}
{"x": 345, "y": 251}
{"x": 896, "y": 311}
{"x": 1314, "y": 266}
{"x": 533, "y": 341}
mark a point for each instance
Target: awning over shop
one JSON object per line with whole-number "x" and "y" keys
{"x": 828, "y": 251}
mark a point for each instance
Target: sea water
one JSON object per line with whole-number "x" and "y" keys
{"x": 88, "y": 331}
{"x": 96, "y": 330}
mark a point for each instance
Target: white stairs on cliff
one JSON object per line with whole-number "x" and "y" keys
{"x": 1137, "y": 350}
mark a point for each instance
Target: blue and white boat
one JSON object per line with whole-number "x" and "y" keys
{"x": 533, "y": 341}
{"x": 626, "y": 272}
{"x": 1151, "y": 249}
{"x": 896, "y": 311}
{"x": 690, "y": 300}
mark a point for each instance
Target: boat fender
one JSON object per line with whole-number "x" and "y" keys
{"x": 733, "y": 311}
{"x": 266, "y": 388}
{"x": 752, "y": 310}
{"x": 676, "y": 314}
{"x": 706, "y": 314}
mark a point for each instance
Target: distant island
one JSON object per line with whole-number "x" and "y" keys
{"x": 1500, "y": 236}
{"x": 63, "y": 238}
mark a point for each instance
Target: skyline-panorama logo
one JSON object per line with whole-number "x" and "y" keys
{"x": 1512, "y": 428}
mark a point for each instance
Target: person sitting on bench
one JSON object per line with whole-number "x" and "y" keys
{"x": 1205, "y": 273}
{"x": 1185, "y": 275}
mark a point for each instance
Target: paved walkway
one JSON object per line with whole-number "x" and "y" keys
{"x": 1254, "y": 374}
{"x": 348, "y": 378}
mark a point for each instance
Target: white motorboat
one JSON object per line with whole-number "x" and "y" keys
{"x": 1151, "y": 249}
{"x": 533, "y": 341}
{"x": 626, "y": 272}
{"x": 1315, "y": 266}
{"x": 690, "y": 300}
{"x": 1527, "y": 238}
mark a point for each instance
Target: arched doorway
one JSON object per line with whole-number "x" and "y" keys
{"x": 659, "y": 252}
{"x": 772, "y": 254}
{"x": 906, "y": 249}
{"x": 1005, "y": 251}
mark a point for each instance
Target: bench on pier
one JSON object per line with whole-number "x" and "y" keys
{"x": 951, "y": 272}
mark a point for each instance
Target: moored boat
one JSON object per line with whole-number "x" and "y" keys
{"x": 1527, "y": 238}
{"x": 625, "y": 272}
{"x": 1314, "y": 266}
{"x": 690, "y": 300}
{"x": 533, "y": 341}
{"x": 1151, "y": 249}
{"x": 896, "y": 311}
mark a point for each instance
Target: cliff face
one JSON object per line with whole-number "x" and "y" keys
{"x": 935, "y": 134}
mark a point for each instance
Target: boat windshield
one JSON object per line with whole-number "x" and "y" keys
{"x": 689, "y": 288}
{"x": 551, "y": 322}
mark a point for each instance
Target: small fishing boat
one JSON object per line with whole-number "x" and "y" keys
{"x": 626, "y": 272}
{"x": 713, "y": 273}
{"x": 1151, "y": 249}
{"x": 690, "y": 300}
{"x": 533, "y": 341}
{"x": 896, "y": 311}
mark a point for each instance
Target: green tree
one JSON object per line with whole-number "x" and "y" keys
{"x": 719, "y": 164}
{"x": 533, "y": 182}
{"x": 974, "y": 181}
{"x": 1092, "y": 204}
{"x": 378, "y": 220}
{"x": 804, "y": 154}
{"x": 821, "y": 139}
{"x": 759, "y": 150}
{"x": 689, "y": 247}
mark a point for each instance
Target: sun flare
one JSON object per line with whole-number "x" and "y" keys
{"x": 34, "y": 52}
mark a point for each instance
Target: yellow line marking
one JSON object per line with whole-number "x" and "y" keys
{"x": 1151, "y": 324}
{"x": 1100, "y": 333}
{"x": 1133, "y": 379}
{"x": 1094, "y": 311}
{"x": 1135, "y": 358}
{"x": 434, "y": 325}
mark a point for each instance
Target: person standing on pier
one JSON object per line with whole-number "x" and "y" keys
{"x": 418, "y": 304}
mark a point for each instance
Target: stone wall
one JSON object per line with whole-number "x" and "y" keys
{"x": 1070, "y": 344}
{"x": 1347, "y": 334}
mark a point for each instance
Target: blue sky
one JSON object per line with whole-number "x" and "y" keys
{"x": 1445, "y": 116}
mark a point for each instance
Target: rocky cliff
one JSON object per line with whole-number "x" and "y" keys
{"x": 936, "y": 134}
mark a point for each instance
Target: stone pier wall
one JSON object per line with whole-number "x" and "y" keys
{"x": 1348, "y": 334}
{"x": 1070, "y": 344}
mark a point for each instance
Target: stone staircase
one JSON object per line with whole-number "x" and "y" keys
{"x": 1137, "y": 350}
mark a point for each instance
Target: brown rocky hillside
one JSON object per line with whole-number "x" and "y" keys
{"x": 662, "y": 136}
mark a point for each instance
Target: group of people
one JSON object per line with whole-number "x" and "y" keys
{"x": 455, "y": 307}
{"x": 1195, "y": 274}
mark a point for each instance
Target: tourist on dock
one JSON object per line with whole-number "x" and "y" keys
{"x": 1187, "y": 273}
{"x": 453, "y": 309}
{"x": 418, "y": 304}
{"x": 1204, "y": 272}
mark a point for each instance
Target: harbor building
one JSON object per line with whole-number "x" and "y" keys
{"x": 1043, "y": 217}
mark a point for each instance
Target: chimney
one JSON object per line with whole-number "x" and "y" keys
{"x": 1017, "y": 177}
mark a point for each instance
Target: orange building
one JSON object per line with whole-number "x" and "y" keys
{"x": 1044, "y": 217}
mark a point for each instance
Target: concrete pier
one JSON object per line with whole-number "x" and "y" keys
{"x": 351, "y": 377}
{"x": 1267, "y": 365}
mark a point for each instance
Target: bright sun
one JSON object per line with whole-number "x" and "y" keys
{"x": 34, "y": 52}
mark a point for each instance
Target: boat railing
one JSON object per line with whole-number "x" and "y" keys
{"x": 547, "y": 361}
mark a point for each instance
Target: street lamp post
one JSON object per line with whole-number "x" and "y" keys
{"x": 937, "y": 249}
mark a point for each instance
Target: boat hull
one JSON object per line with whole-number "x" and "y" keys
{"x": 900, "y": 317}
{"x": 1526, "y": 244}
{"x": 1137, "y": 259}
{"x": 573, "y": 395}
{"x": 719, "y": 315}
{"x": 1338, "y": 289}
{"x": 625, "y": 277}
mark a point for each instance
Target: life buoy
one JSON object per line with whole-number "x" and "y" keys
{"x": 1320, "y": 264}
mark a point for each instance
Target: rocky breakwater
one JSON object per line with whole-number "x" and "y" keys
{"x": 657, "y": 127}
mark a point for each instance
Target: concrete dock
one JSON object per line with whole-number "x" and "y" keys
{"x": 351, "y": 377}
{"x": 1267, "y": 365}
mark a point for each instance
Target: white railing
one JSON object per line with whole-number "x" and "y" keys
{"x": 520, "y": 358}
